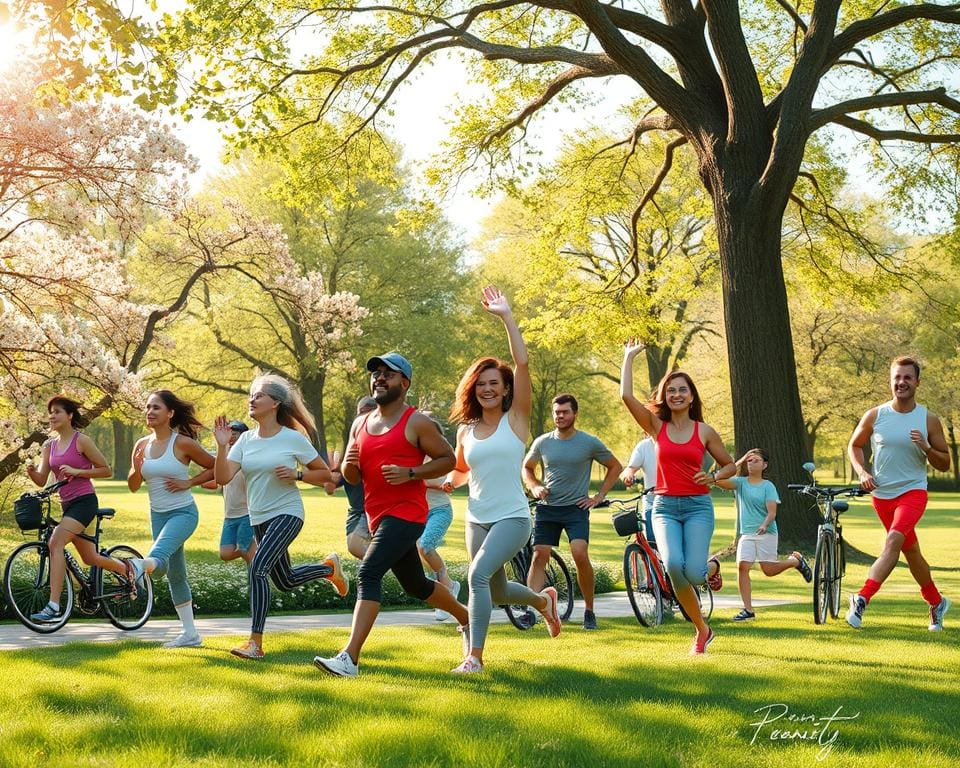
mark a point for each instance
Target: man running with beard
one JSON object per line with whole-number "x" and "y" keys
{"x": 386, "y": 452}
{"x": 904, "y": 435}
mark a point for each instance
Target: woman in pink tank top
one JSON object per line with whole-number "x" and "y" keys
{"x": 72, "y": 456}
{"x": 682, "y": 510}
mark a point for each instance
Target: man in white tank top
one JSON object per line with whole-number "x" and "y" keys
{"x": 903, "y": 435}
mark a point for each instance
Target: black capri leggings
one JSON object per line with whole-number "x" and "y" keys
{"x": 393, "y": 548}
{"x": 272, "y": 559}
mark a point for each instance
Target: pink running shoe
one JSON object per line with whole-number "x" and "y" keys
{"x": 700, "y": 648}
{"x": 550, "y": 612}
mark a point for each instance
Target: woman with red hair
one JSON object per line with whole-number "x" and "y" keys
{"x": 492, "y": 405}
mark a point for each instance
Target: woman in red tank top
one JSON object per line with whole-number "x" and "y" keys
{"x": 682, "y": 510}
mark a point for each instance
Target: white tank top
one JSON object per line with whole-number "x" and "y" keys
{"x": 156, "y": 471}
{"x": 496, "y": 490}
{"x": 898, "y": 463}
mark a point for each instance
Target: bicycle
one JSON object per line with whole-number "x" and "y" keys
{"x": 830, "y": 563}
{"x": 26, "y": 577}
{"x": 648, "y": 583}
{"x": 556, "y": 575}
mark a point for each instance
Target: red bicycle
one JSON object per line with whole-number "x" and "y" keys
{"x": 648, "y": 584}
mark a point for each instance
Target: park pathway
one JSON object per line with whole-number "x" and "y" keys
{"x": 14, "y": 636}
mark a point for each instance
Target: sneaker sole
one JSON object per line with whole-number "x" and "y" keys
{"x": 239, "y": 655}
{"x": 318, "y": 663}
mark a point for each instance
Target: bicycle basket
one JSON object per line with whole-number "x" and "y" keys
{"x": 28, "y": 512}
{"x": 626, "y": 523}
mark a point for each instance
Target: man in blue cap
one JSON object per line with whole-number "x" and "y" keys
{"x": 386, "y": 451}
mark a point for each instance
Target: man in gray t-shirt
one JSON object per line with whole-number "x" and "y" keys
{"x": 566, "y": 456}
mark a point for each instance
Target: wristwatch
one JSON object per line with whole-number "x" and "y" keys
{"x": 410, "y": 473}
{"x": 299, "y": 474}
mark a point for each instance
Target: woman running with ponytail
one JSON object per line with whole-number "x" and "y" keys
{"x": 269, "y": 455}
{"x": 162, "y": 459}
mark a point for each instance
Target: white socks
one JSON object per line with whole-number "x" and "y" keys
{"x": 185, "y": 612}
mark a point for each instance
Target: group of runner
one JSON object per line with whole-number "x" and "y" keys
{"x": 398, "y": 470}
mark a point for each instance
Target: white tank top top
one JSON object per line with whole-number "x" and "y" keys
{"x": 496, "y": 490}
{"x": 156, "y": 471}
{"x": 898, "y": 463}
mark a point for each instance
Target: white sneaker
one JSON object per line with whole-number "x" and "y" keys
{"x": 468, "y": 667}
{"x": 340, "y": 665}
{"x": 440, "y": 615}
{"x": 185, "y": 640}
{"x": 936, "y": 614}
{"x": 855, "y": 615}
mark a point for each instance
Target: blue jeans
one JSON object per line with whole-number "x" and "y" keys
{"x": 170, "y": 532}
{"x": 684, "y": 526}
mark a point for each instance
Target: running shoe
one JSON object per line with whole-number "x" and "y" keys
{"x": 550, "y": 611}
{"x": 441, "y": 615}
{"x": 469, "y": 666}
{"x": 855, "y": 615}
{"x": 804, "y": 567}
{"x": 338, "y": 579}
{"x": 136, "y": 563}
{"x": 46, "y": 615}
{"x": 745, "y": 615}
{"x": 340, "y": 665}
{"x": 699, "y": 647}
{"x": 249, "y": 650}
{"x": 715, "y": 581}
{"x": 589, "y": 620}
{"x": 185, "y": 640}
{"x": 936, "y": 614}
{"x": 130, "y": 574}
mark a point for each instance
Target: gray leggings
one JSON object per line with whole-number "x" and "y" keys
{"x": 491, "y": 545}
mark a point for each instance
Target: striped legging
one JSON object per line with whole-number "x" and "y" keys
{"x": 272, "y": 559}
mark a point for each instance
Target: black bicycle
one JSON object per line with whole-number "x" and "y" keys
{"x": 556, "y": 575}
{"x": 26, "y": 577}
{"x": 831, "y": 562}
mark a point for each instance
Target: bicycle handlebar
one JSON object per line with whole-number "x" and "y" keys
{"x": 830, "y": 491}
{"x": 44, "y": 493}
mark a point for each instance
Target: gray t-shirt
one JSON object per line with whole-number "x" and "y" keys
{"x": 566, "y": 464}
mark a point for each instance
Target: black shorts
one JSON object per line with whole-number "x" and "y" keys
{"x": 550, "y": 521}
{"x": 83, "y": 509}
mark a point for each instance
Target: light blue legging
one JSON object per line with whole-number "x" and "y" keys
{"x": 170, "y": 532}
{"x": 683, "y": 526}
{"x": 491, "y": 545}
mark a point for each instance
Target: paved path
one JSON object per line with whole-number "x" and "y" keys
{"x": 14, "y": 636}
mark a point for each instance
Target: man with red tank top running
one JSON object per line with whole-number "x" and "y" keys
{"x": 386, "y": 451}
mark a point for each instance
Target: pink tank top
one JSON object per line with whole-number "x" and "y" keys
{"x": 677, "y": 463}
{"x": 71, "y": 457}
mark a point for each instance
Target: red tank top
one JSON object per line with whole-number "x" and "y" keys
{"x": 677, "y": 463}
{"x": 407, "y": 501}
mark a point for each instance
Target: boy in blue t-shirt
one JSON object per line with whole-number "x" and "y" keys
{"x": 757, "y": 501}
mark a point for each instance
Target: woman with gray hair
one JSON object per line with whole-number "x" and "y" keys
{"x": 269, "y": 455}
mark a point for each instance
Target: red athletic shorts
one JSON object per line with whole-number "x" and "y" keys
{"x": 902, "y": 514}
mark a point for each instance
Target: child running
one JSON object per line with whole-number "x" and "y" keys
{"x": 757, "y": 501}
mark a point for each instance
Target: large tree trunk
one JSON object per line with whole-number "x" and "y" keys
{"x": 763, "y": 377}
{"x": 952, "y": 437}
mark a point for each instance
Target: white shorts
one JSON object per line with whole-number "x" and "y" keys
{"x": 758, "y": 548}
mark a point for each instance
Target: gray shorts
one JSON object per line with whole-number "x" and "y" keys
{"x": 357, "y": 523}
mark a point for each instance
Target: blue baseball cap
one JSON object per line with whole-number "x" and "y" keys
{"x": 394, "y": 361}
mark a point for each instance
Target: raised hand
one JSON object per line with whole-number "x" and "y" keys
{"x": 632, "y": 347}
{"x": 495, "y": 302}
{"x": 138, "y": 455}
{"x": 221, "y": 431}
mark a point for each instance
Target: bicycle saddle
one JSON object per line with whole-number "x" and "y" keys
{"x": 106, "y": 514}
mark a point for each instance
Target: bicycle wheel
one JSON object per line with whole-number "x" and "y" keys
{"x": 26, "y": 584}
{"x": 822, "y": 572}
{"x": 123, "y": 611}
{"x": 521, "y": 616}
{"x": 838, "y": 568}
{"x": 643, "y": 589}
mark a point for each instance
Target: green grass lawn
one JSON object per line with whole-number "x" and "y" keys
{"x": 620, "y": 696}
